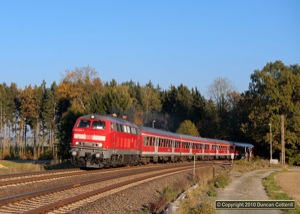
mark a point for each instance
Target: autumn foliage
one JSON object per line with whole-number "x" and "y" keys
{"x": 37, "y": 121}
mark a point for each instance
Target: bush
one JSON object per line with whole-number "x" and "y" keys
{"x": 168, "y": 194}
{"x": 204, "y": 207}
{"x": 294, "y": 160}
{"x": 156, "y": 206}
{"x": 48, "y": 155}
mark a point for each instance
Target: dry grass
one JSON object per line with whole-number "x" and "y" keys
{"x": 274, "y": 191}
{"x": 10, "y": 167}
{"x": 254, "y": 164}
{"x": 197, "y": 200}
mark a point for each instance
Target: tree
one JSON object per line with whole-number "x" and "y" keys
{"x": 189, "y": 128}
{"x": 150, "y": 102}
{"x": 219, "y": 91}
{"x": 77, "y": 86}
{"x": 49, "y": 116}
{"x": 117, "y": 98}
{"x": 274, "y": 90}
{"x": 208, "y": 125}
{"x": 29, "y": 111}
{"x": 198, "y": 107}
{"x": 222, "y": 93}
{"x": 178, "y": 103}
{"x": 8, "y": 116}
{"x": 95, "y": 100}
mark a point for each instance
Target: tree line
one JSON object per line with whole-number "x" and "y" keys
{"x": 47, "y": 114}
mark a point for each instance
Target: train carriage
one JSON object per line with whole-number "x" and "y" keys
{"x": 242, "y": 150}
{"x": 222, "y": 149}
{"x": 158, "y": 145}
{"x": 204, "y": 148}
{"x": 167, "y": 146}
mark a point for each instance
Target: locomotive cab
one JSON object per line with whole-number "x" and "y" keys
{"x": 90, "y": 141}
{"x": 103, "y": 141}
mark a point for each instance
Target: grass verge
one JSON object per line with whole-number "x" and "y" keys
{"x": 198, "y": 201}
{"x": 10, "y": 167}
{"x": 255, "y": 163}
{"x": 275, "y": 193}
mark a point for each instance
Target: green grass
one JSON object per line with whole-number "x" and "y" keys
{"x": 222, "y": 180}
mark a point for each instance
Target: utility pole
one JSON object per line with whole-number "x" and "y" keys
{"x": 270, "y": 125}
{"x": 282, "y": 141}
{"x": 153, "y": 121}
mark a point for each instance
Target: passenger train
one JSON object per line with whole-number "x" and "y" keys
{"x": 105, "y": 141}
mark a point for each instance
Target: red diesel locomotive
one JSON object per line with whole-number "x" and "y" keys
{"x": 103, "y": 141}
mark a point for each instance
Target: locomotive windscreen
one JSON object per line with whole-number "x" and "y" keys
{"x": 84, "y": 124}
{"x": 98, "y": 125}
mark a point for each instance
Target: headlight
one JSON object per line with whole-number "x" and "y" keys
{"x": 98, "y": 155}
{"x": 77, "y": 143}
{"x": 98, "y": 144}
{"x": 74, "y": 153}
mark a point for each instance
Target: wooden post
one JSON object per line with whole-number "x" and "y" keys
{"x": 271, "y": 150}
{"x": 282, "y": 141}
{"x": 194, "y": 170}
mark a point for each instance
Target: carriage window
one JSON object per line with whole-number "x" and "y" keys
{"x": 120, "y": 127}
{"x": 146, "y": 141}
{"x": 84, "y": 124}
{"x": 152, "y": 141}
{"x": 98, "y": 125}
{"x": 133, "y": 131}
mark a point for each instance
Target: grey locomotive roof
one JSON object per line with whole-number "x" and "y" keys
{"x": 108, "y": 117}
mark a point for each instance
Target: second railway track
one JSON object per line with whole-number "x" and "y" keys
{"x": 59, "y": 197}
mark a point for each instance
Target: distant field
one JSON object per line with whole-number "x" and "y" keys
{"x": 290, "y": 183}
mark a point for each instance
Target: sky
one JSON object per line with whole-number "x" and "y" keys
{"x": 167, "y": 42}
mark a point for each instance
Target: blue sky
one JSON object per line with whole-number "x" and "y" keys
{"x": 166, "y": 41}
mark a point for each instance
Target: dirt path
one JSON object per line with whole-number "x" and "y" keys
{"x": 246, "y": 186}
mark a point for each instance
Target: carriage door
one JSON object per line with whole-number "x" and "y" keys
{"x": 113, "y": 129}
{"x": 191, "y": 147}
{"x": 173, "y": 147}
{"x": 156, "y": 145}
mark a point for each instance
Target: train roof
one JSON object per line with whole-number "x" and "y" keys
{"x": 242, "y": 144}
{"x": 108, "y": 117}
{"x": 181, "y": 136}
{"x": 158, "y": 131}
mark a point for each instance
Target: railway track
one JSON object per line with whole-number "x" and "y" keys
{"x": 15, "y": 179}
{"x": 65, "y": 198}
{"x": 36, "y": 177}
